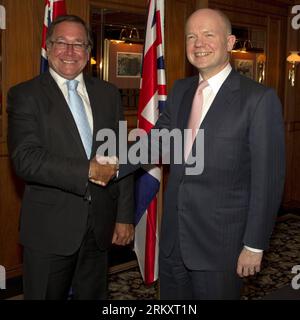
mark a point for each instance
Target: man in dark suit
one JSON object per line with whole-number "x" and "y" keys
{"x": 216, "y": 224}
{"x": 67, "y": 222}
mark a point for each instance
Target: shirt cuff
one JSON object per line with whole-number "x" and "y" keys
{"x": 253, "y": 249}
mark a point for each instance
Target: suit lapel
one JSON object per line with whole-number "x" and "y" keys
{"x": 92, "y": 93}
{"x": 58, "y": 101}
{"x": 221, "y": 104}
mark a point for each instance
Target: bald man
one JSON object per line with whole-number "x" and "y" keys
{"x": 216, "y": 224}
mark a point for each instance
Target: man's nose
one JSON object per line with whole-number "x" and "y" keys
{"x": 199, "y": 41}
{"x": 70, "y": 48}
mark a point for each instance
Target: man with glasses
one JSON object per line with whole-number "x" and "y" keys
{"x": 67, "y": 221}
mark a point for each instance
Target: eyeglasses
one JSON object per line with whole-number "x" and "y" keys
{"x": 61, "y": 45}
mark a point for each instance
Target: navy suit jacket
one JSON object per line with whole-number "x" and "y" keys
{"x": 47, "y": 153}
{"x": 235, "y": 200}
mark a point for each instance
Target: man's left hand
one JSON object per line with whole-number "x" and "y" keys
{"x": 123, "y": 234}
{"x": 249, "y": 263}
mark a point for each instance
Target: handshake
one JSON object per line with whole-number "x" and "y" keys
{"x": 103, "y": 169}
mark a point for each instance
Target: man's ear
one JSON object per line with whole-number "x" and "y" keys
{"x": 230, "y": 42}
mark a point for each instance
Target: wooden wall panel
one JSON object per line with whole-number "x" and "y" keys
{"x": 292, "y": 120}
{"x": 11, "y": 192}
{"x": 289, "y": 150}
{"x": 37, "y": 24}
{"x": 138, "y": 6}
{"x": 295, "y": 197}
{"x": 252, "y": 7}
{"x": 15, "y": 53}
{"x": 177, "y": 12}
{"x": 275, "y": 18}
{"x": 21, "y": 55}
{"x": 270, "y": 18}
{"x": 79, "y": 8}
{"x": 292, "y": 189}
{"x": 273, "y": 53}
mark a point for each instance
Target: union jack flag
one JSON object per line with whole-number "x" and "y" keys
{"x": 151, "y": 102}
{"x": 53, "y": 9}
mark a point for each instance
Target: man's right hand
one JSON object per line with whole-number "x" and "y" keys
{"x": 102, "y": 173}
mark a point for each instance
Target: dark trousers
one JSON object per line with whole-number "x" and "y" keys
{"x": 177, "y": 282}
{"x": 50, "y": 276}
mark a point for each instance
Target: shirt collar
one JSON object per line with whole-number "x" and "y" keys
{"x": 217, "y": 80}
{"x": 61, "y": 81}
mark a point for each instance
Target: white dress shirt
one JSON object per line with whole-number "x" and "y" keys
{"x": 210, "y": 92}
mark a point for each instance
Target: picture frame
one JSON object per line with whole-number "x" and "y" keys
{"x": 129, "y": 65}
{"x": 122, "y": 63}
{"x": 245, "y": 67}
{"x": 245, "y": 64}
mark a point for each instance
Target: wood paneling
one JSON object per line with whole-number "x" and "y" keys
{"x": 254, "y": 8}
{"x": 271, "y": 19}
{"x": 79, "y": 8}
{"x": 295, "y": 164}
{"x": 292, "y": 118}
{"x": 11, "y": 191}
{"x": 292, "y": 189}
{"x": 274, "y": 17}
{"x": 177, "y": 12}
{"x": 21, "y": 54}
{"x": 137, "y": 6}
{"x": 274, "y": 54}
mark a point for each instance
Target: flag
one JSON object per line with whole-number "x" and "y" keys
{"x": 151, "y": 103}
{"x": 53, "y": 9}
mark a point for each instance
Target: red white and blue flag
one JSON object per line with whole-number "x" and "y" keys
{"x": 53, "y": 9}
{"x": 151, "y": 103}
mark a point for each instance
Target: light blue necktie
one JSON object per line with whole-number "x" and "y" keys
{"x": 77, "y": 108}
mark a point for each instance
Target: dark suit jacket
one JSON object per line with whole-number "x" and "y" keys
{"x": 235, "y": 200}
{"x": 47, "y": 152}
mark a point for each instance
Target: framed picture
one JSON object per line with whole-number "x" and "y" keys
{"x": 244, "y": 67}
{"x": 129, "y": 65}
{"x": 244, "y": 63}
{"x": 122, "y": 64}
